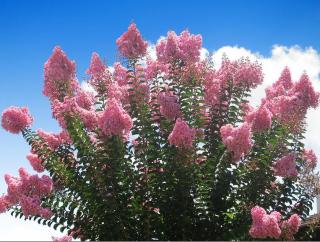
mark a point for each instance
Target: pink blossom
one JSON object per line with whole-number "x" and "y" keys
{"x": 70, "y": 108}
{"x": 120, "y": 74}
{"x": 15, "y": 119}
{"x": 65, "y": 238}
{"x": 30, "y": 206}
{"x": 167, "y": 49}
{"x": 212, "y": 88}
{"x": 246, "y": 108}
{"x": 264, "y": 225}
{"x": 115, "y": 120}
{"x": 182, "y": 135}
{"x": 290, "y": 102}
{"x": 26, "y": 191}
{"x": 130, "y": 44}
{"x": 285, "y": 79}
{"x": 35, "y": 162}
{"x": 294, "y": 222}
{"x": 286, "y": 166}
{"x": 85, "y": 99}
{"x": 155, "y": 68}
{"x": 193, "y": 72}
{"x": 241, "y": 73}
{"x": 100, "y": 76}
{"x": 260, "y": 120}
{"x": 118, "y": 92}
{"x": 89, "y": 118}
{"x": 310, "y": 158}
{"x": 305, "y": 92}
{"x": 46, "y": 213}
{"x": 287, "y": 109}
{"x": 190, "y": 46}
{"x": 140, "y": 91}
{"x": 53, "y": 140}
{"x": 169, "y": 106}
{"x": 185, "y": 47}
{"x": 237, "y": 139}
{"x": 59, "y": 76}
{"x": 290, "y": 227}
{"x": 4, "y": 203}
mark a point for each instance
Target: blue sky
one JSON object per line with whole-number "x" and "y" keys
{"x": 30, "y": 30}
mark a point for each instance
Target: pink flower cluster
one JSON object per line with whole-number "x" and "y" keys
{"x": 130, "y": 44}
{"x": 286, "y": 166}
{"x": 241, "y": 73}
{"x": 270, "y": 225}
{"x": 27, "y": 191}
{"x": 290, "y": 227}
{"x": 77, "y": 106}
{"x": 260, "y": 120}
{"x": 264, "y": 225}
{"x": 185, "y": 47}
{"x": 290, "y": 101}
{"x": 237, "y": 140}
{"x": 212, "y": 89}
{"x": 15, "y": 119}
{"x": 120, "y": 74}
{"x": 35, "y": 162}
{"x": 155, "y": 68}
{"x": 169, "y": 106}
{"x": 65, "y": 238}
{"x": 59, "y": 76}
{"x": 182, "y": 135}
{"x": 118, "y": 92}
{"x": 54, "y": 140}
{"x": 115, "y": 120}
{"x": 99, "y": 74}
{"x": 310, "y": 158}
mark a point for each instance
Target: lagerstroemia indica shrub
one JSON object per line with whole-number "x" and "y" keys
{"x": 166, "y": 148}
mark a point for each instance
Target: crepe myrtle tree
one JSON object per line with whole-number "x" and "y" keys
{"x": 166, "y": 148}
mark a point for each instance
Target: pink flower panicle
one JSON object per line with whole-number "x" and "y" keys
{"x": 70, "y": 108}
{"x": 15, "y": 119}
{"x": 260, "y": 120}
{"x": 130, "y": 44}
{"x": 120, "y": 74}
{"x": 237, "y": 140}
{"x": 264, "y": 225}
{"x": 169, "y": 106}
{"x": 59, "y": 76}
{"x": 182, "y": 135}
{"x": 154, "y": 69}
{"x": 290, "y": 227}
{"x": 115, "y": 120}
{"x": 185, "y": 47}
{"x": 65, "y": 238}
{"x": 35, "y": 162}
{"x": 285, "y": 79}
{"x": 118, "y": 92}
{"x": 286, "y": 166}
{"x": 27, "y": 191}
{"x": 241, "y": 72}
{"x": 212, "y": 89}
{"x": 289, "y": 101}
{"x": 85, "y": 99}
{"x": 310, "y": 158}
{"x": 305, "y": 92}
{"x": 4, "y": 203}
{"x": 54, "y": 140}
{"x": 100, "y": 76}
